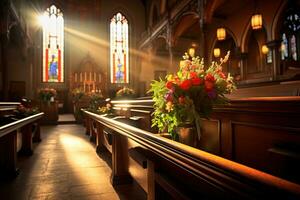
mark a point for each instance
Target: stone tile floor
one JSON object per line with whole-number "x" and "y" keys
{"x": 65, "y": 118}
{"x": 65, "y": 166}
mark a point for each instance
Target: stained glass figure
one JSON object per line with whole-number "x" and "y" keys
{"x": 284, "y": 47}
{"x": 294, "y": 48}
{"x": 119, "y": 51}
{"x": 53, "y": 45}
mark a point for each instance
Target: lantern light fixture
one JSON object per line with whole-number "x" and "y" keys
{"x": 221, "y": 33}
{"x": 256, "y": 21}
{"x": 217, "y": 52}
{"x": 192, "y": 51}
{"x": 265, "y": 49}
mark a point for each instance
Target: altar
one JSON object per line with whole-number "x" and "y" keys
{"x": 89, "y": 77}
{"x": 87, "y": 80}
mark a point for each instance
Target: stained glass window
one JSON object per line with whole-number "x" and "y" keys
{"x": 290, "y": 35}
{"x": 53, "y": 45}
{"x": 119, "y": 58}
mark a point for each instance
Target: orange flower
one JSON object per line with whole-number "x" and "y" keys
{"x": 222, "y": 75}
{"x": 169, "y": 106}
{"x": 177, "y": 80}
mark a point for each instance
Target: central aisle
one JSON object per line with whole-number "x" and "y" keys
{"x": 65, "y": 166}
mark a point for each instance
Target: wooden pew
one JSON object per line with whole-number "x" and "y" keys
{"x": 177, "y": 171}
{"x": 263, "y": 133}
{"x": 8, "y": 139}
{"x": 7, "y": 108}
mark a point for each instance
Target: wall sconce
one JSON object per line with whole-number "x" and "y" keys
{"x": 256, "y": 21}
{"x": 192, "y": 52}
{"x": 221, "y": 33}
{"x": 217, "y": 52}
{"x": 265, "y": 49}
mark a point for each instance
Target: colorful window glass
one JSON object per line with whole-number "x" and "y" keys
{"x": 119, "y": 58}
{"x": 284, "y": 47}
{"x": 53, "y": 45}
{"x": 290, "y": 34}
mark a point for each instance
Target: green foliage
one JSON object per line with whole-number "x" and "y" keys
{"x": 96, "y": 100}
{"x": 125, "y": 92}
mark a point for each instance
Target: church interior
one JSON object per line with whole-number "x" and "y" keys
{"x": 149, "y": 99}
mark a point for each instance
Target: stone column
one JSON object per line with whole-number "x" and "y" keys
{"x": 169, "y": 38}
{"x": 3, "y": 49}
{"x": 243, "y": 65}
{"x": 202, "y": 25}
{"x": 274, "y": 47}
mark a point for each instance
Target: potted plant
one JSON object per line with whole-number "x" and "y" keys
{"x": 78, "y": 96}
{"x": 48, "y": 105}
{"x": 96, "y": 100}
{"x": 47, "y": 94}
{"x": 181, "y": 99}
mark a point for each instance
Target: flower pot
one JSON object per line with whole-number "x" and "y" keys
{"x": 187, "y": 135}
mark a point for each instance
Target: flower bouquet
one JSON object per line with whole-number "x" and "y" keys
{"x": 96, "y": 100}
{"x": 125, "y": 92}
{"x": 47, "y": 94}
{"x": 183, "y": 98}
{"x": 23, "y": 111}
{"x": 105, "y": 109}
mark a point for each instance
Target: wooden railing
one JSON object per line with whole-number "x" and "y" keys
{"x": 177, "y": 171}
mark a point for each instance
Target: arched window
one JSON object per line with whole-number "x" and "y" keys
{"x": 53, "y": 45}
{"x": 290, "y": 35}
{"x": 119, "y": 50}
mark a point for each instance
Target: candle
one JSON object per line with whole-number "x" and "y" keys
{"x": 95, "y": 76}
{"x": 80, "y": 77}
{"x": 90, "y": 76}
{"x": 99, "y": 78}
{"x": 75, "y": 77}
{"x": 84, "y": 76}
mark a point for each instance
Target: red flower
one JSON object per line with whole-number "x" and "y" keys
{"x": 209, "y": 85}
{"x": 210, "y": 78}
{"x": 186, "y": 84}
{"x": 181, "y": 100}
{"x": 169, "y": 85}
{"x": 197, "y": 81}
{"x": 193, "y": 75}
